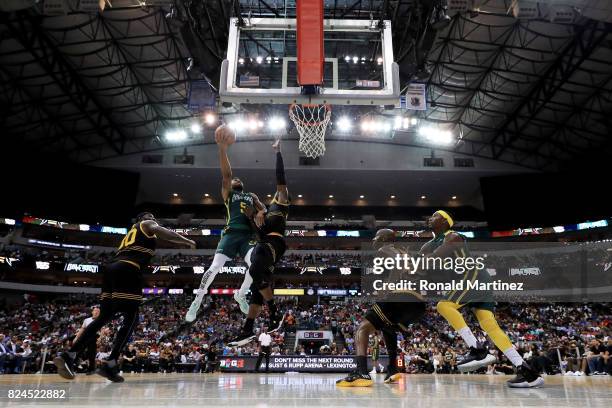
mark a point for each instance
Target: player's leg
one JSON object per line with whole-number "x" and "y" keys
{"x": 209, "y": 276}
{"x": 478, "y": 355}
{"x": 125, "y": 300}
{"x": 261, "y": 291}
{"x": 65, "y": 361}
{"x": 246, "y": 333}
{"x": 360, "y": 377}
{"x": 526, "y": 376}
{"x": 402, "y": 314}
{"x": 376, "y": 319}
{"x": 390, "y": 337}
{"x": 240, "y": 296}
{"x": 129, "y": 310}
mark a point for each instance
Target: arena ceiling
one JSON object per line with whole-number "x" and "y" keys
{"x": 94, "y": 86}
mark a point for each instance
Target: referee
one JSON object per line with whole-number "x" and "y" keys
{"x": 265, "y": 340}
{"x": 91, "y": 347}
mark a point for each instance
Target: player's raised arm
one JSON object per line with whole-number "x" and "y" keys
{"x": 282, "y": 194}
{"x": 224, "y": 137}
{"x": 151, "y": 227}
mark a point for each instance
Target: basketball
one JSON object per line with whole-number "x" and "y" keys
{"x": 224, "y": 135}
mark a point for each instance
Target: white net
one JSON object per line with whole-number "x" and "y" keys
{"x": 311, "y": 122}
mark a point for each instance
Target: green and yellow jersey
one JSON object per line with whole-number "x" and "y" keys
{"x": 438, "y": 240}
{"x": 236, "y": 204}
{"x": 481, "y": 299}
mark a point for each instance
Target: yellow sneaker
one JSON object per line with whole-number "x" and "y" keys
{"x": 392, "y": 378}
{"x": 355, "y": 379}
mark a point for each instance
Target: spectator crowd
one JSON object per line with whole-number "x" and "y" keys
{"x": 570, "y": 338}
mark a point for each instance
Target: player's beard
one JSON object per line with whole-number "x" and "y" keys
{"x": 237, "y": 189}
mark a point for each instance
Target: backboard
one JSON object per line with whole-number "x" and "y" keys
{"x": 261, "y": 64}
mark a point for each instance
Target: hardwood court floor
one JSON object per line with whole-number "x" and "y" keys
{"x": 308, "y": 390}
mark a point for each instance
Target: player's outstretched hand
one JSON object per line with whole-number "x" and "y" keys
{"x": 276, "y": 146}
{"x": 224, "y": 136}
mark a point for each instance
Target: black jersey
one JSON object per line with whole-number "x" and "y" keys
{"x": 276, "y": 219}
{"x": 136, "y": 247}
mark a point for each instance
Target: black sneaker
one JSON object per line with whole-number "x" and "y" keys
{"x": 476, "y": 358}
{"x": 526, "y": 377}
{"x": 276, "y": 322}
{"x": 392, "y": 376}
{"x": 110, "y": 373}
{"x": 355, "y": 379}
{"x": 242, "y": 339}
{"x": 65, "y": 366}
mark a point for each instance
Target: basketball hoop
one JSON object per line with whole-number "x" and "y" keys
{"x": 311, "y": 121}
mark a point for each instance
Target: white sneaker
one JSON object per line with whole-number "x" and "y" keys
{"x": 569, "y": 373}
{"x": 579, "y": 373}
{"x": 192, "y": 313}
{"x": 242, "y": 302}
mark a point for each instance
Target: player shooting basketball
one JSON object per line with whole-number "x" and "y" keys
{"x": 268, "y": 251}
{"x": 447, "y": 243}
{"x": 237, "y": 237}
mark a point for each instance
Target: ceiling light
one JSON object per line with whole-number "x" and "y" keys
{"x": 177, "y": 135}
{"x": 210, "y": 118}
{"x": 277, "y": 123}
{"x": 436, "y": 136}
{"x": 196, "y": 128}
{"x": 344, "y": 124}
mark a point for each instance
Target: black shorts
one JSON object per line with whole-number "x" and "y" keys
{"x": 395, "y": 315}
{"x": 122, "y": 281}
{"x": 265, "y": 255}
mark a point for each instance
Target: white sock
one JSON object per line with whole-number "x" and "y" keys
{"x": 209, "y": 276}
{"x": 467, "y": 336}
{"x": 514, "y": 357}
